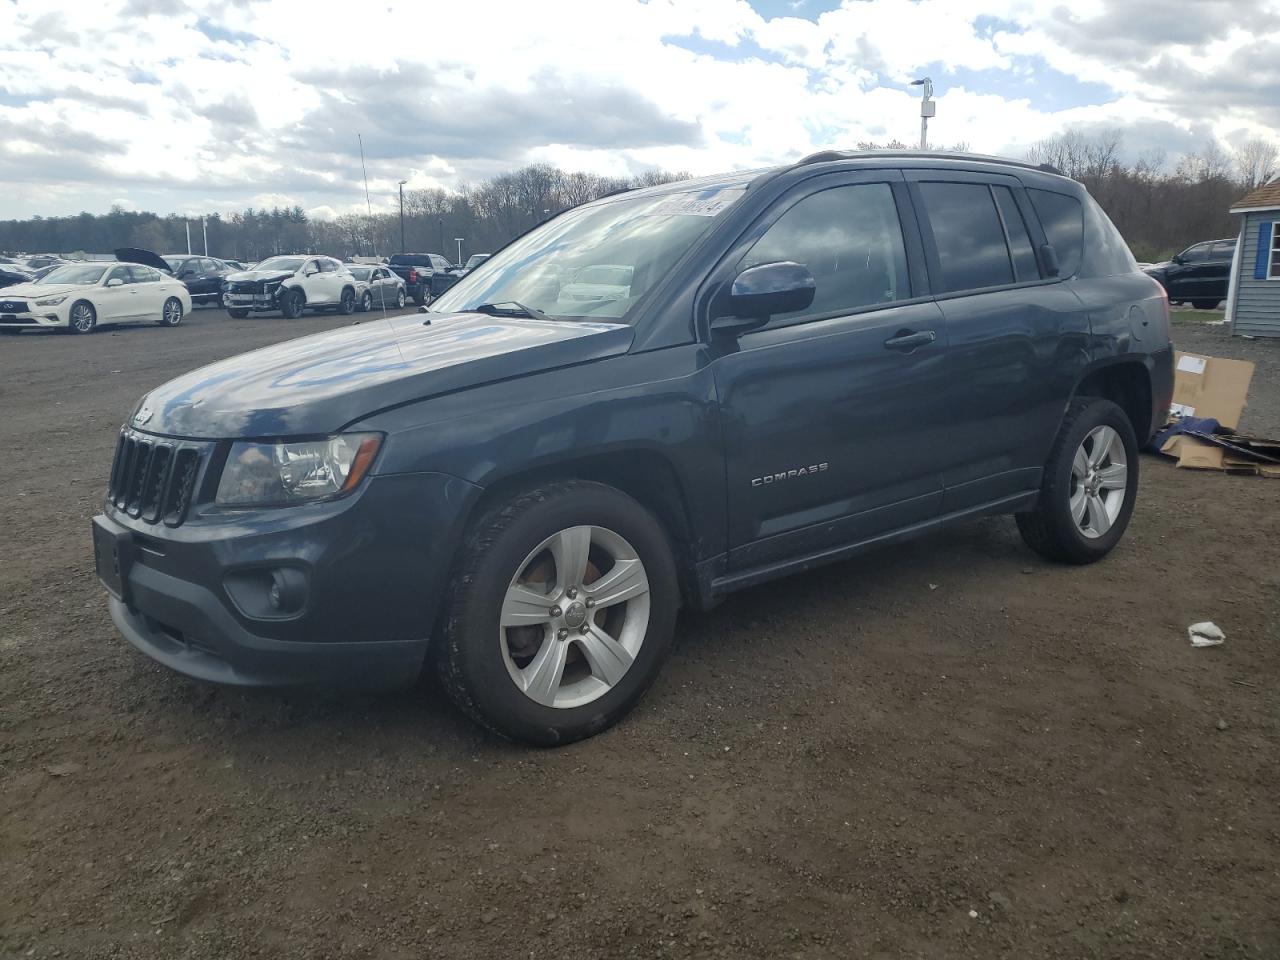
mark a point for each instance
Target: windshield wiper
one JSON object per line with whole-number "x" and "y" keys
{"x": 503, "y": 308}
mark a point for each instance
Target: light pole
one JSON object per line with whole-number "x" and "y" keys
{"x": 928, "y": 108}
{"x": 402, "y": 183}
{"x": 440, "y": 224}
{"x": 459, "y": 239}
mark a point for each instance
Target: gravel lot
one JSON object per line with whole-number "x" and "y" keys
{"x": 947, "y": 749}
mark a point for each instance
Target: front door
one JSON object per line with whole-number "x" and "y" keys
{"x": 832, "y": 417}
{"x": 116, "y": 302}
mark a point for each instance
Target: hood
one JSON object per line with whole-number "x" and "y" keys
{"x": 242, "y": 275}
{"x": 144, "y": 257}
{"x": 40, "y": 291}
{"x": 319, "y": 384}
{"x": 1160, "y": 267}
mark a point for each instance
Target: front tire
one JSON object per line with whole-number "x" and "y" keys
{"x": 171, "y": 314}
{"x": 561, "y": 611}
{"x": 1089, "y": 487}
{"x": 1205, "y": 304}
{"x": 400, "y": 299}
{"x": 83, "y": 318}
{"x": 366, "y": 302}
{"x": 291, "y": 304}
{"x": 237, "y": 314}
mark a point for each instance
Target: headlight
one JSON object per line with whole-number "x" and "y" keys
{"x": 257, "y": 474}
{"x": 51, "y": 302}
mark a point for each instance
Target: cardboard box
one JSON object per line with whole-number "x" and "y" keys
{"x": 1210, "y": 387}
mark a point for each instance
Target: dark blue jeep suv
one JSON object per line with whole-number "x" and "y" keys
{"x": 649, "y": 401}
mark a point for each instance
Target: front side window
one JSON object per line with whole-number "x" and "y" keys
{"x": 972, "y": 252}
{"x": 647, "y": 234}
{"x": 1197, "y": 254}
{"x": 119, "y": 273}
{"x": 850, "y": 239}
{"x": 327, "y": 266}
{"x": 140, "y": 274}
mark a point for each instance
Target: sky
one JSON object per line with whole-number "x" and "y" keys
{"x": 215, "y": 105}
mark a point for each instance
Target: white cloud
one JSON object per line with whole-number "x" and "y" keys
{"x": 223, "y": 104}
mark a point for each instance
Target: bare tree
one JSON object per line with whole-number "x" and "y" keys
{"x": 1256, "y": 160}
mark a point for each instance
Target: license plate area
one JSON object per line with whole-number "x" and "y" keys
{"x": 112, "y": 557}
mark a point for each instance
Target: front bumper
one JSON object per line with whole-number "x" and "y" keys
{"x": 373, "y": 565}
{"x": 35, "y": 317}
{"x": 252, "y": 301}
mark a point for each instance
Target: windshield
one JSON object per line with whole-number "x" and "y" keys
{"x": 291, "y": 264}
{"x": 476, "y": 259}
{"x": 629, "y": 244}
{"x": 361, "y": 273}
{"x": 82, "y": 275}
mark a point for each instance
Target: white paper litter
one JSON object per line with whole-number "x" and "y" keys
{"x": 1182, "y": 410}
{"x": 1190, "y": 364}
{"x": 1205, "y": 634}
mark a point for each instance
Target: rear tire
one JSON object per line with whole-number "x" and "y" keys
{"x": 1089, "y": 487}
{"x": 171, "y": 313}
{"x": 400, "y": 299}
{"x": 564, "y": 670}
{"x": 291, "y": 304}
{"x": 347, "y": 302}
{"x": 1205, "y": 304}
{"x": 238, "y": 314}
{"x": 420, "y": 298}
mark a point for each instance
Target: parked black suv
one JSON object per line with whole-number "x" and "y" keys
{"x": 520, "y": 488}
{"x": 1199, "y": 275}
{"x": 425, "y": 275}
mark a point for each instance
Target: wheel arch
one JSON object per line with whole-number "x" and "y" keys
{"x": 1126, "y": 383}
{"x": 643, "y": 474}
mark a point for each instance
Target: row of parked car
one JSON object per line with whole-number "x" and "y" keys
{"x": 77, "y": 296}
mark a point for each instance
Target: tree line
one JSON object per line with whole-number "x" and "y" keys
{"x": 1159, "y": 206}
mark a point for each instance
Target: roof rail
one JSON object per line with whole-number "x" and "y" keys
{"x": 827, "y": 156}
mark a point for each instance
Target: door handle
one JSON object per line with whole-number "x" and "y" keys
{"x": 910, "y": 339}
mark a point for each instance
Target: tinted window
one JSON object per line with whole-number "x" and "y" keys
{"x": 327, "y": 266}
{"x": 119, "y": 273}
{"x": 210, "y": 266}
{"x": 851, "y": 241}
{"x": 1197, "y": 254}
{"x": 1105, "y": 252}
{"x": 1015, "y": 228}
{"x": 1224, "y": 250}
{"x": 966, "y": 229}
{"x": 411, "y": 260}
{"x": 1063, "y": 222}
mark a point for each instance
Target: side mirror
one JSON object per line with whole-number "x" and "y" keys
{"x": 115, "y": 282}
{"x": 1177, "y": 258}
{"x": 1049, "y": 260}
{"x": 759, "y": 293}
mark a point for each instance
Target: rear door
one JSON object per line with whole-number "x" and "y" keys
{"x": 1017, "y": 340}
{"x": 831, "y": 421}
{"x": 149, "y": 292}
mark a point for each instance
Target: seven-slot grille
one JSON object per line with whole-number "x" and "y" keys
{"x": 246, "y": 286}
{"x": 154, "y": 479}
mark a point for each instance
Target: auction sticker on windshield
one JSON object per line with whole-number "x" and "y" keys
{"x": 696, "y": 206}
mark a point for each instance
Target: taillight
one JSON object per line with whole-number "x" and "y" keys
{"x": 413, "y": 276}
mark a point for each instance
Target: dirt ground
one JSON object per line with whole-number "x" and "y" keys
{"x": 946, "y": 749}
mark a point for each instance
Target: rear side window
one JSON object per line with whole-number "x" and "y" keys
{"x": 1063, "y": 220}
{"x": 970, "y": 240}
{"x": 1015, "y": 228}
{"x": 1105, "y": 252}
{"x": 1224, "y": 250}
{"x": 850, "y": 239}
{"x": 327, "y": 266}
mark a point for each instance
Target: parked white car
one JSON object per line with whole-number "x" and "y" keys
{"x": 290, "y": 284}
{"x": 78, "y": 297}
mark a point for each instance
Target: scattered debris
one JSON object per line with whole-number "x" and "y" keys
{"x": 1222, "y": 724}
{"x": 973, "y": 914}
{"x": 1205, "y": 634}
{"x": 64, "y": 769}
{"x": 1209, "y": 397}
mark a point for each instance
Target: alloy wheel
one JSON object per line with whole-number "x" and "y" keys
{"x": 1099, "y": 481}
{"x": 574, "y": 616}
{"x": 82, "y": 317}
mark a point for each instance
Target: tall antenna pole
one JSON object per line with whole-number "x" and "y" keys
{"x": 367, "y": 205}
